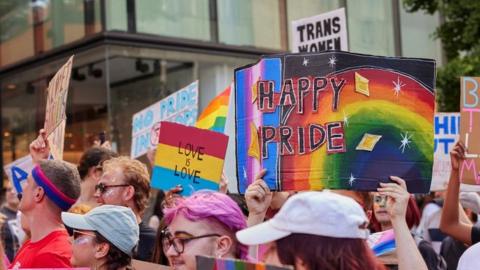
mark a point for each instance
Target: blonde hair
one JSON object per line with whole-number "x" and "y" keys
{"x": 81, "y": 209}
{"x": 136, "y": 174}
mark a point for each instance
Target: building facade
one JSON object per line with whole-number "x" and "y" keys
{"x": 131, "y": 53}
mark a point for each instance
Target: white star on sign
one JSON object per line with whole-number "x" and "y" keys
{"x": 405, "y": 141}
{"x": 244, "y": 173}
{"x": 305, "y": 61}
{"x": 345, "y": 119}
{"x": 351, "y": 180}
{"x": 397, "y": 86}
{"x": 332, "y": 61}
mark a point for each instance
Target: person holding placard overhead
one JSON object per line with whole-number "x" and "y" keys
{"x": 52, "y": 187}
{"x": 325, "y": 230}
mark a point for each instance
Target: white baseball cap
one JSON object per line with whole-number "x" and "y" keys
{"x": 317, "y": 213}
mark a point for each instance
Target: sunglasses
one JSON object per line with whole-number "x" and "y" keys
{"x": 102, "y": 187}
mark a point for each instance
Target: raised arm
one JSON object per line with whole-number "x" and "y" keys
{"x": 408, "y": 255}
{"x": 450, "y": 223}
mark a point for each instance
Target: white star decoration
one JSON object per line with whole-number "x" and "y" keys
{"x": 345, "y": 119}
{"x": 332, "y": 61}
{"x": 397, "y": 86}
{"x": 351, "y": 180}
{"x": 405, "y": 141}
{"x": 244, "y": 173}
{"x": 305, "y": 61}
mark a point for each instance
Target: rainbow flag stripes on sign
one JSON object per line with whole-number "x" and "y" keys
{"x": 190, "y": 157}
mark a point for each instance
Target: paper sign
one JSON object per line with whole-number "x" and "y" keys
{"x": 180, "y": 107}
{"x": 447, "y": 130}
{"x": 55, "y": 111}
{"x": 18, "y": 171}
{"x": 141, "y": 265}
{"x": 190, "y": 157}
{"x": 327, "y": 31}
{"x": 347, "y": 125}
{"x": 208, "y": 263}
{"x": 470, "y": 129}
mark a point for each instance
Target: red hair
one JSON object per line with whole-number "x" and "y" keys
{"x": 327, "y": 253}
{"x": 412, "y": 216}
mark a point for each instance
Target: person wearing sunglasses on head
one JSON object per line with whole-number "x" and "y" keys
{"x": 203, "y": 224}
{"x": 104, "y": 238}
{"x": 126, "y": 182}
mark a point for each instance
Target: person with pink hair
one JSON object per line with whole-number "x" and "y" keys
{"x": 203, "y": 224}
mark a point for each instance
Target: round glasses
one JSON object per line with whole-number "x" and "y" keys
{"x": 178, "y": 243}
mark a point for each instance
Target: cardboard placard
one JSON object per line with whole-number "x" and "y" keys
{"x": 141, "y": 265}
{"x": 190, "y": 157}
{"x": 18, "y": 171}
{"x": 55, "y": 116}
{"x": 327, "y": 31}
{"x": 447, "y": 131}
{"x": 210, "y": 263}
{"x": 180, "y": 107}
{"x": 351, "y": 123}
{"x": 470, "y": 129}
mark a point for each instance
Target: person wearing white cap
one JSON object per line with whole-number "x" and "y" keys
{"x": 324, "y": 230}
{"x": 104, "y": 238}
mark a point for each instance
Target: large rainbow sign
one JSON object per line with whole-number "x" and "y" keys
{"x": 335, "y": 120}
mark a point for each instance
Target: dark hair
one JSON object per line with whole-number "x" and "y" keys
{"x": 327, "y": 253}
{"x": 412, "y": 216}
{"x": 63, "y": 175}
{"x": 93, "y": 157}
{"x": 115, "y": 257}
{"x": 158, "y": 253}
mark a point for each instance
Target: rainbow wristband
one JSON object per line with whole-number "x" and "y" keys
{"x": 53, "y": 193}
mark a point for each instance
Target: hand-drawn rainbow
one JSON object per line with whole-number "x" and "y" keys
{"x": 335, "y": 120}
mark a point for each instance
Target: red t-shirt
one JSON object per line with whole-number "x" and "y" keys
{"x": 54, "y": 250}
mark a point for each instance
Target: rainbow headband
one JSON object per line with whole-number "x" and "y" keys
{"x": 53, "y": 193}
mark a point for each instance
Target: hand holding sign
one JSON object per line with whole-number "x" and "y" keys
{"x": 40, "y": 147}
{"x": 457, "y": 155}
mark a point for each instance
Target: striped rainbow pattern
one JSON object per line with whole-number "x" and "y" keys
{"x": 215, "y": 115}
{"x": 177, "y": 158}
{"x": 208, "y": 263}
{"x": 382, "y": 242}
{"x": 408, "y": 114}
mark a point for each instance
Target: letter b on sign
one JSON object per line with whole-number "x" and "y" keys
{"x": 470, "y": 95}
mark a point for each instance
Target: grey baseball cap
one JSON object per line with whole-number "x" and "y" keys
{"x": 117, "y": 224}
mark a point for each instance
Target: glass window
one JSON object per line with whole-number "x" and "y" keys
{"x": 299, "y": 9}
{"x": 16, "y": 31}
{"x": 116, "y": 15}
{"x": 370, "y": 27}
{"x": 23, "y": 105}
{"x": 247, "y": 22}
{"x": 140, "y": 77}
{"x": 179, "y": 18}
{"x": 417, "y": 35}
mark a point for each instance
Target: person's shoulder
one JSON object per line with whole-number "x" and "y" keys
{"x": 51, "y": 259}
{"x": 469, "y": 259}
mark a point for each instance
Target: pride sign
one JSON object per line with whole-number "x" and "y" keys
{"x": 190, "y": 157}
{"x": 335, "y": 120}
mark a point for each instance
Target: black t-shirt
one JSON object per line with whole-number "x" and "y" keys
{"x": 475, "y": 235}
{"x": 146, "y": 243}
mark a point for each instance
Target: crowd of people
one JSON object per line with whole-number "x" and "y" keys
{"x": 95, "y": 215}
